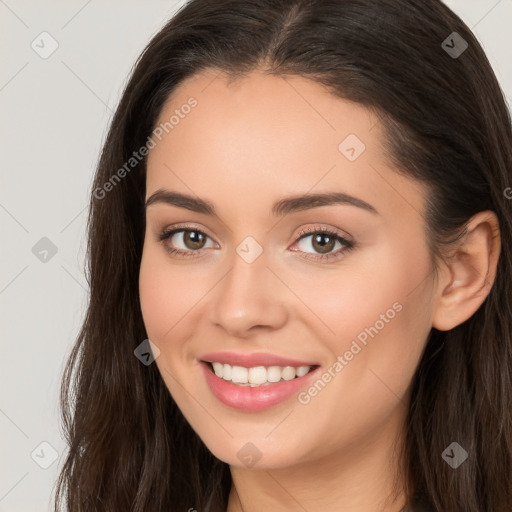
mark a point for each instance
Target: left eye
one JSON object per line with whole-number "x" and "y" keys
{"x": 324, "y": 241}
{"x": 321, "y": 241}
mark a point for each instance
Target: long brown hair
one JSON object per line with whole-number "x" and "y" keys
{"x": 446, "y": 124}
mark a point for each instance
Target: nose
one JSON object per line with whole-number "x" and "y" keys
{"x": 249, "y": 298}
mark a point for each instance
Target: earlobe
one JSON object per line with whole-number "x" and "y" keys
{"x": 470, "y": 274}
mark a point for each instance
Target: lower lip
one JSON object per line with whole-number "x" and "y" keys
{"x": 253, "y": 399}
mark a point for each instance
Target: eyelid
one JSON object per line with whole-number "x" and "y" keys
{"x": 325, "y": 229}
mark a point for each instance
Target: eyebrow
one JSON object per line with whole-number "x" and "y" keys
{"x": 280, "y": 208}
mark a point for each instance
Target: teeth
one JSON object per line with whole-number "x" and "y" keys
{"x": 218, "y": 368}
{"x": 274, "y": 374}
{"x": 239, "y": 375}
{"x": 302, "y": 370}
{"x": 288, "y": 373}
{"x": 226, "y": 372}
{"x": 258, "y": 375}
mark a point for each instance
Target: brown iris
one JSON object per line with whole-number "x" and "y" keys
{"x": 326, "y": 246}
{"x": 194, "y": 239}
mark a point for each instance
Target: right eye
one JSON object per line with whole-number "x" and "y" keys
{"x": 192, "y": 240}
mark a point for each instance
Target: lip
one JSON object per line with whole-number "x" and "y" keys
{"x": 254, "y": 399}
{"x": 252, "y": 360}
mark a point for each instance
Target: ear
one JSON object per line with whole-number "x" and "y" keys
{"x": 470, "y": 272}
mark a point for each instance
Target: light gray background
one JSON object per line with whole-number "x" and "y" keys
{"x": 54, "y": 116}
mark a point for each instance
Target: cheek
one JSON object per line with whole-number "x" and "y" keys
{"x": 380, "y": 313}
{"x": 372, "y": 291}
{"x": 159, "y": 290}
{"x": 169, "y": 294}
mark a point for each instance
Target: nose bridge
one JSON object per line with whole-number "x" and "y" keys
{"x": 248, "y": 277}
{"x": 247, "y": 295}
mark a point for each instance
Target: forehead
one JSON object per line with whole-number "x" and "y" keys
{"x": 265, "y": 136}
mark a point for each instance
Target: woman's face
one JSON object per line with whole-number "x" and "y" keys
{"x": 258, "y": 282}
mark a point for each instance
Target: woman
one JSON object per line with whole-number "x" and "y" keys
{"x": 299, "y": 269}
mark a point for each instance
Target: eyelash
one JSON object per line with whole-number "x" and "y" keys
{"x": 168, "y": 233}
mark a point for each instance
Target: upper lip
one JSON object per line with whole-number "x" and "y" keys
{"x": 252, "y": 360}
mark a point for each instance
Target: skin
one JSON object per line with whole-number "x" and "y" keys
{"x": 247, "y": 144}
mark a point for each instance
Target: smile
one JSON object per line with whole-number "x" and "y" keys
{"x": 256, "y": 388}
